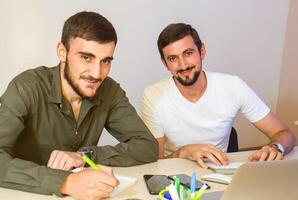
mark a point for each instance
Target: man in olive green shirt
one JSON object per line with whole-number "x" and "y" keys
{"x": 48, "y": 114}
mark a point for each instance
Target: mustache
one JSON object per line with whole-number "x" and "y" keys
{"x": 187, "y": 68}
{"x": 92, "y": 79}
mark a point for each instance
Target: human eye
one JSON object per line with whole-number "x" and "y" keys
{"x": 171, "y": 58}
{"x": 106, "y": 61}
{"x": 188, "y": 53}
{"x": 86, "y": 58}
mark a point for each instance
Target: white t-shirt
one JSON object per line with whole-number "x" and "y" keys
{"x": 166, "y": 112}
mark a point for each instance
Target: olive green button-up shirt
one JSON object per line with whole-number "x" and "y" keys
{"x": 36, "y": 119}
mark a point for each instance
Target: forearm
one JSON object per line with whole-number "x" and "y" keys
{"x": 286, "y": 138}
{"x": 28, "y": 176}
{"x": 133, "y": 152}
{"x": 182, "y": 152}
{"x": 277, "y": 131}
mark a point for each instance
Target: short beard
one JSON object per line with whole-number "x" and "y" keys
{"x": 70, "y": 80}
{"x": 187, "y": 81}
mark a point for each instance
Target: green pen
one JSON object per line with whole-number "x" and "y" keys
{"x": 91, "y": 163}
{"x": 186, "y": 195}
{"x": 177, "y": 185}
{"x": 199, "y": 194}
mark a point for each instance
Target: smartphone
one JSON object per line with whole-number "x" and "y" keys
{"x": 156, "y": 183}
{"x": 185, "y": 180}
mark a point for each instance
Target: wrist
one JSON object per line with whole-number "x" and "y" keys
{"x": 279, "y": 147}
{"x": 86, "y": 151}
{"x": 66, "y": 185}
{"x": 181, "y": 152}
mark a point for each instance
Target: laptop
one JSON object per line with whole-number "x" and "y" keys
{"x": 272, "y": 180}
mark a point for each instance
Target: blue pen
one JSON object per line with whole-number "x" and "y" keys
{"x": 167, "y": 196}
{"x": 193, "y": 184}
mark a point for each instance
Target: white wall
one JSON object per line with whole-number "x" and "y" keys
{"x": 242, "y": 37}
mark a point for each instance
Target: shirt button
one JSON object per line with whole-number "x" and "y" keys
{"x": 77, "y": 132}
{"x": 60, "y": 105}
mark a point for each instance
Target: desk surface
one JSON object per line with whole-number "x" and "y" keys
{"x": 139, "y": 190}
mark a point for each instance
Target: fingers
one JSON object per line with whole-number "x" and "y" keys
{"x": 99, "y": 191}
{"x": 266, "y": 153}
{"x": 106, "y": 169}
{"x": 60, "y": 161}
{"x": 108, "y": 178}
{"x": 109, "y": 171}
{"x": 211, "y": 157}
{"x": 215, "y": 155}
{"x": 52, "y": 158}
{"x": 103, "y": 186}
{"x": 202, "y": 163}
{"x": 198, "y": 152}
{"x": 65, "y": 160}
{"x": 279, "y": 156}
{"x": 218, "y": 157}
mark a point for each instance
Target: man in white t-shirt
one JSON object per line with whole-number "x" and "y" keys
{"x": 191, "y": 114}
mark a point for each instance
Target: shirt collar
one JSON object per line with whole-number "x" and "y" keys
{"x": 55, "y": 95}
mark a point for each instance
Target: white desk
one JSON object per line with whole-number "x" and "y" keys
{"x": 139, "y": 191}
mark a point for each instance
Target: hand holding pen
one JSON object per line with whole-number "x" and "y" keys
{"x": 97, "y": 182}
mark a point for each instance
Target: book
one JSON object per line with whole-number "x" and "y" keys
{"x": 225, "y": 169}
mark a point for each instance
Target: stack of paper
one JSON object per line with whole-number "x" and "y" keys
{"x": 225, "y": 169}
{"x": 125, "y": 182}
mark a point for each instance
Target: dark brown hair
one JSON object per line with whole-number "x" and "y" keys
{"x": 174, "y": 32}
{"x": 89, "y": 26}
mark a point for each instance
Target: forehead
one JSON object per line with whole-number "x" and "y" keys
{"x": 98, "y": 49}
{"x": 179, "y": 46}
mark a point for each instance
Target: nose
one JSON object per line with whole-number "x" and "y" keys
{"x": 95, "y": 71}
{"x": 182, "y": 63}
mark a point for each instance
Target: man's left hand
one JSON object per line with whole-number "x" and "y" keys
{"x": 266, "y": 153}
{"x": 65, "y": 160}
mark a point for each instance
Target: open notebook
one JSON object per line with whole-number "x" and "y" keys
{"x": 274, "y": 180}
{"x": 125, "y": 182}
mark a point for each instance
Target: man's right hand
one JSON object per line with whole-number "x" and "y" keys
{"x": 199, "y": 152}
{"x": 90, "y": 184}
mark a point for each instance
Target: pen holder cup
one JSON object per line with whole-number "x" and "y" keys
{"x": 162, "y": 193}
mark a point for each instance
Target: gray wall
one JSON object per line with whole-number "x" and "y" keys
{"x": 242, "y": 37}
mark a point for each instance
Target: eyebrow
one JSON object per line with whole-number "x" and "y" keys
{"x": 189, "y": 49}
{"x": 108, "y": 58}
{"x": 87, "y": 54}
{"x": 186, "y": 50}
{"x": 93, "y": 56}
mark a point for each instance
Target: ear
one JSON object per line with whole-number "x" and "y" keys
{"x": 203, "y": 51}
{"x": 61, "y": 52}
{"x": 164, "y": 62}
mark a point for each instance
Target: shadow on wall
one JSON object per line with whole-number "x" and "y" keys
{"x": 106, "y": 139}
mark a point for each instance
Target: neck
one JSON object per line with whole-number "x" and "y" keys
{"x": 193, "y": 92}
